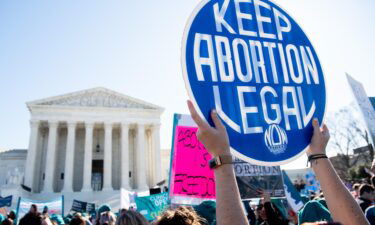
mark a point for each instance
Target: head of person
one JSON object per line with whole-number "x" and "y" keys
{"x": 367, "y": 192}
{"x": 107, "y": 218}
{"x": 356, "y": 188}
{"x": 131, "y": 217}
{"x": 45, "y": 210}
{"x": 12, "y": 215}
{"x": 33, "y": 208}
{"x": 182, "y": 215}
{"x": 77, "y": 220}
{"x": 261, "y": 212}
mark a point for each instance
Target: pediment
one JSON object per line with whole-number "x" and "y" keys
{"x": 95, "y": 97}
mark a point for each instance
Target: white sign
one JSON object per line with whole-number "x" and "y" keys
{"x": 364, "y": 104}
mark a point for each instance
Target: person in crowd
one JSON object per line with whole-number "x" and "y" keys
{"x": 268, "y": 213}
{"x": 12, "y": 215}
{"x": 366, "y": 196}
{"x": 33, "y": 217}
{"x": 33, "y": 209}
{"x": 131, "y": 217}
{"x": 341, "y": 203}
{"x": 355, "y": 191}
{"x": 7, "y": 221}
{"x": 45, "y": 216}
{"x": 77, "y": 220}
{"x": 182, "y": 215}
{"x": 107, "y": 218}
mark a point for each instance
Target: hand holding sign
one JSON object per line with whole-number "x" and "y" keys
{"x": 215, "y": 139}
{"x": 319, "y": 140}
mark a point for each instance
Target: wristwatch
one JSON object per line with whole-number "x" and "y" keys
{"x": 220, "y": 160}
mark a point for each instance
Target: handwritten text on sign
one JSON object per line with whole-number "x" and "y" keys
{"x": 191, "y": 176}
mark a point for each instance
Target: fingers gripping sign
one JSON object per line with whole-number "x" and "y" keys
{"x": 215, "y": 139}
{"x": 319, "y": 140}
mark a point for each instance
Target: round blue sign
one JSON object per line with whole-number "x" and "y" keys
{"x": 249, "y": 60}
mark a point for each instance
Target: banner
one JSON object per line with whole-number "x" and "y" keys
{"x": 292, "y": 196}
{"x": 127, "y": 199}
{"x": 6, "y": 201}
{"x": 364, "y": 104}
{"x": 151, "y": 206}
{"x": 253, "y": 63}
{"x": 79, "y": 206}
{"x": 252, "y": 178}
{"x": 191, "y": 179}
{"x": 55, "y": 206}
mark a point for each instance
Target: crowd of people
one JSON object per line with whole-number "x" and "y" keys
{"x": 334, "y": 205}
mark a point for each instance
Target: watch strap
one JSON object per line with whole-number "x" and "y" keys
{"x": 220, "y": 160}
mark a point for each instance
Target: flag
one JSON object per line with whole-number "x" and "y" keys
{"x": 293, "y": 197}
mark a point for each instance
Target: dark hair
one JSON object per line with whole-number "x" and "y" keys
{"x": 77, "y": 220}
{"x": 7, "y": 222}
{"x": 131, "y": 217}
{"x": 373, "y": 181}
{"x": 12, "y": 215}
{"x": 356, "y": 186}
{"x": 183, "y": 215}
{"x": 365, "y": 188}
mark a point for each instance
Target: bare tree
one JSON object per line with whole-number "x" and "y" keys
{"x": 347, "y": 133}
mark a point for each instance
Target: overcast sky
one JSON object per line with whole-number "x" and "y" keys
{"x": 50, "y": 48}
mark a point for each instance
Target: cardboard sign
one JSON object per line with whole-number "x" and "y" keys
{"x": 249, "y": 60}
{"x": 191, "y": 175}
{"x": 79, "y": 206}
{"x": 151, "y": 206}
{"x": 6, "y": 201}
{"x": 251, "y": 178}
{"x": 364, "y": 104}
{"x": 191, "y": 179}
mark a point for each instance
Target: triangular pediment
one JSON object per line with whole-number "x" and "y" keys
{"x": 95, "y": 97}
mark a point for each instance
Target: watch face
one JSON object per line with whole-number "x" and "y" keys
{"x": 212, "y": 163}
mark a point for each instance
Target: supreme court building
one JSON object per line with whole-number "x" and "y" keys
{"x": 93, "y": 140}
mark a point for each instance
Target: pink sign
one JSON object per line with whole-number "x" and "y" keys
{"x": 191, "y": 175}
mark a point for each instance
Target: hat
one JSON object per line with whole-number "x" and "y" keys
{"x": 314, "y": 211}
{"x": 104, "y": 208}
{"x": 58, "y": 219}
{"x": 207, "y": 210}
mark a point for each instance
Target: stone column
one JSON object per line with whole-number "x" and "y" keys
{"x": 107, "y": 180}
{"x": 69, "y": 157}
{"x": 141, "y": 158}
{"x": 125, "y": 156}
{"x": 87, "y": 166}
{"x": 31, "y": 154}
{"x": 157, "y": 154}
{"x": 51, "y": 156}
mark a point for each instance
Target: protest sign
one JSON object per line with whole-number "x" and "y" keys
{"x": 79, "y": 206}
{"x": 6, "y": 201}
{"x": 252, "y": 178}
{"x": 252, "y": 62}
{"x": 292, "y": 196}
{"x": 55, "y": 206}
{"x": 364, "y": 104}
{"x": 151, "y": 206}
{"x": 191, "y": 179}
{"x": 127, "y": 198}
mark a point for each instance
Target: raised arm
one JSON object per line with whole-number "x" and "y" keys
{"x": 215, "y": 139}
{"x": 341, "y": 204}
